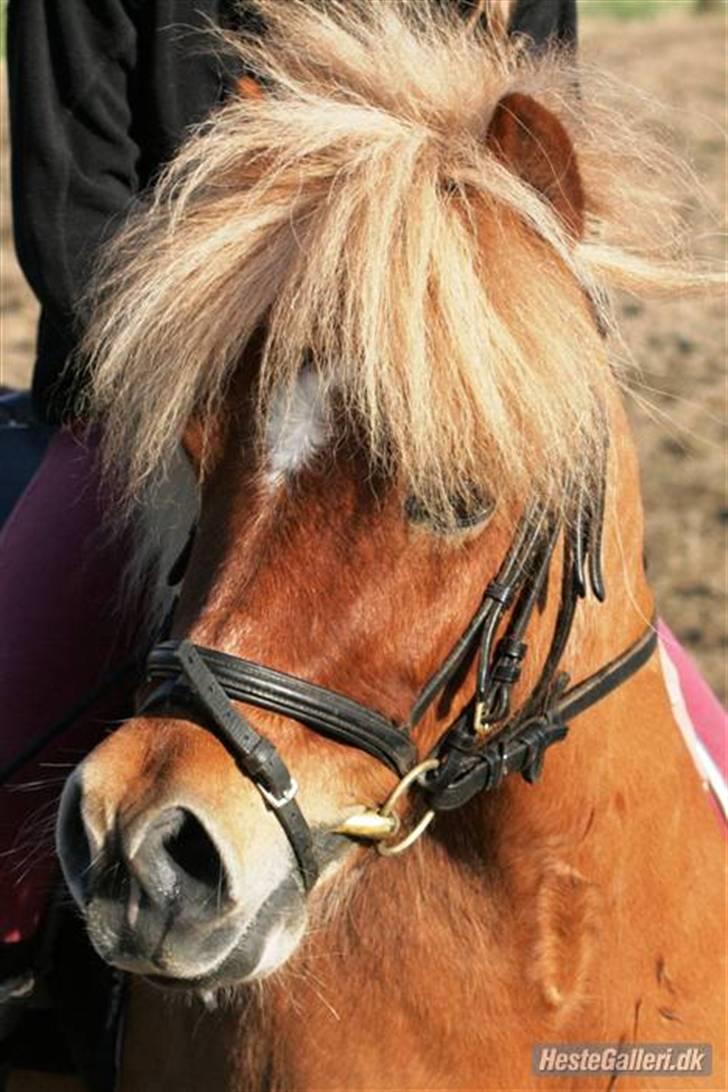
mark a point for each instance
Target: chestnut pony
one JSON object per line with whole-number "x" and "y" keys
{"x": 373, "y": 301}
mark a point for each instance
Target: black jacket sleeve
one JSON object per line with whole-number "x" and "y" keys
{"x": 101, "y": 93}
{"x": 74, "y": 161}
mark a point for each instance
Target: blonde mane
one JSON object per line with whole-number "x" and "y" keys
{"x": 340, "y": 214}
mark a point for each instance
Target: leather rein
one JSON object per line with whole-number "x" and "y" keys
{"x": 485, "y": 742}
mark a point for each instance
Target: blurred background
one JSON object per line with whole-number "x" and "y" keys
{"x": 676, "y": 51}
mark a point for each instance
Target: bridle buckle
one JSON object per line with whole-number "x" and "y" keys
{"x": 278, "y": 802}
{"x": 481, "y": 726}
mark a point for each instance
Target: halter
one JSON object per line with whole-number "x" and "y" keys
{"x": 484, "y": 744}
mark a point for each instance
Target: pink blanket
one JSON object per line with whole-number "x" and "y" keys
{"x": 699, "y": 715}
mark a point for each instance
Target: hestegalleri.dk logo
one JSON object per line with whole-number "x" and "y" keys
{"x": 605, "y": 1059}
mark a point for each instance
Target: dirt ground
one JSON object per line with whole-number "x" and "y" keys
{"x": 680, "y": 400}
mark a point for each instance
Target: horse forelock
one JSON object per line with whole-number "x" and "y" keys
{"x": 356, "y": 214}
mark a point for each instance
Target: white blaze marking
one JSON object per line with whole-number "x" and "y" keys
{"x": 297, "y": 427}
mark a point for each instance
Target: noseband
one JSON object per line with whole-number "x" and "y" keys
{"x": 485, "y": 743}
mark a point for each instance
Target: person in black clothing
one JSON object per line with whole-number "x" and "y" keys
{"x": 102, "y": 92}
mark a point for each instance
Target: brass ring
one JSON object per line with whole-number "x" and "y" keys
{"x": 386, "y": 849}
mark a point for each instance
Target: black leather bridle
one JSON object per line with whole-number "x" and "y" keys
{"x": 485, "y": 742}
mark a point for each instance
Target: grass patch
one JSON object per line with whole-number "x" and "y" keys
{"x": 633, "y": 9}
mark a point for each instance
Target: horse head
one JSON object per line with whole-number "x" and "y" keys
{"x": 369, "y": 301}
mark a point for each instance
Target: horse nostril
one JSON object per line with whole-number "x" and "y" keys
{"x": 178, "y": 858}
{"x": 72, "y": 840}
{"x": 194, "y": 851}
{"x": 175, "y": 863}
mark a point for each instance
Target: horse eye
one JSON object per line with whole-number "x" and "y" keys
{"x": 469, "y": 509}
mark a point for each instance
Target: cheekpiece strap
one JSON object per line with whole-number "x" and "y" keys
{"x": 255, "y": 755}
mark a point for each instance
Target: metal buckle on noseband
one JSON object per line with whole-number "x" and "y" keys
{"x": 277, "y": 802}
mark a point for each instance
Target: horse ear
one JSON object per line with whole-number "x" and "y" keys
{"x": 193, "y": 442}
{"x": 248, "y": 88}
{"x": 529, "y": 140}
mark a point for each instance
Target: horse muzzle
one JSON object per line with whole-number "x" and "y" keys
{"x": 164, "y": 895}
